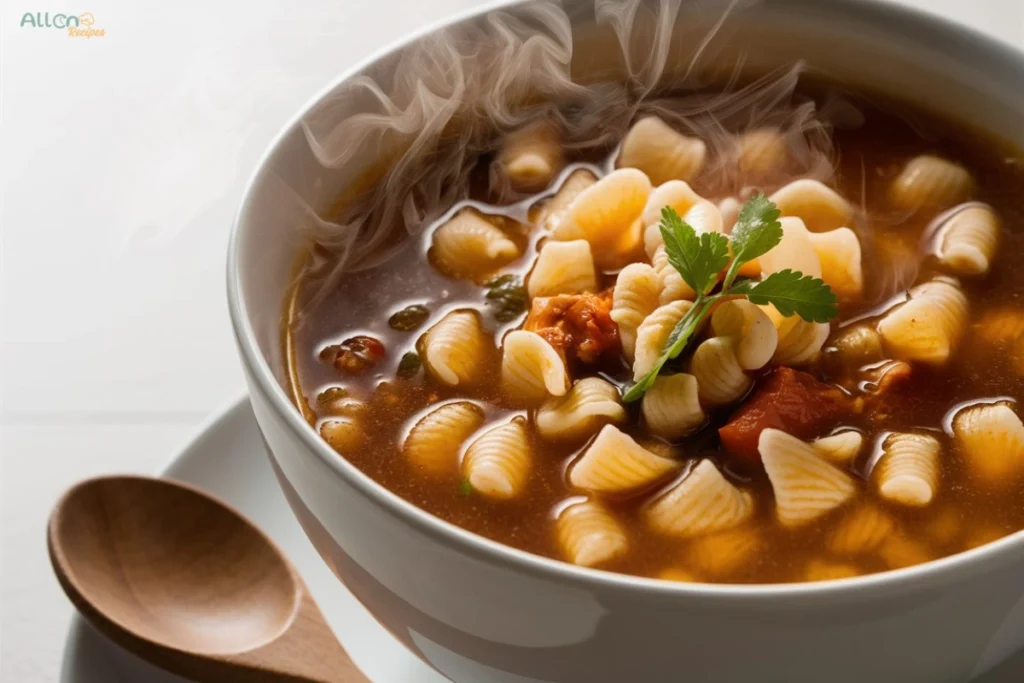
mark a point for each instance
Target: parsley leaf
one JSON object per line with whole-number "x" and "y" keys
{"x": 757, "y": 229}
{"x": 792, "y": 293}
{"x": 698, "y": 258}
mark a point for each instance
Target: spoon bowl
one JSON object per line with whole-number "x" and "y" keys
{"x": 188, "y": 583}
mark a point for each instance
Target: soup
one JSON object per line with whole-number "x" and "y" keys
{"x": 578, "y": 359}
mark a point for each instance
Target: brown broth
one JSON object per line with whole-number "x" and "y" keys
{"x": 964, "y": 514}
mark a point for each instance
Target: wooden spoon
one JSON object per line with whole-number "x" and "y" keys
{"x": 187, "y": 583}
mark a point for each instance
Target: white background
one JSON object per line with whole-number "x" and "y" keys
{"x": 122, "y": 161}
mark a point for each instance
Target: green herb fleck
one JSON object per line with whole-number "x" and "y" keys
{"x": 465, "y": 488}
{"x": 508, "y": 295}
{"x": 700, "y": 258}
{"x": 409, "y": 318}
{"x": 409, "y": 365}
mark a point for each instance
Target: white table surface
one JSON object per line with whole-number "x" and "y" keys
{"x": 122, "y": 161}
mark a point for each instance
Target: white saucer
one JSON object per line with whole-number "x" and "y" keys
{"x": 227, "y": 458}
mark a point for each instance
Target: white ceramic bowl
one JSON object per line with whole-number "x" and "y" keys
{"x": 479, "y": 611}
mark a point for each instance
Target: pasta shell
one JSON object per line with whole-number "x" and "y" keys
{"x": 928, "y": 327}
{"x": 653, "y": 334}
{"x": 531, "y": 368}
{"x": 800, "y": 341}
{"x": 674, "y": 193}
{"x": 433, "y": 444}
{"x": 589, "y": 535}
{"x": 671, "y": 408}
{"x": 819, "y": 207}
{"x": 794, "y": 252}
{"x": 455, "y": 350}
{"x": 944, "y": 526}
{"x": 719, "y": 555}
{"x": 753, "y": 331}
{"x": 590, "y": 404}
{"x": 652, "y": 146}
{"x": 908, "y": 471}
{"x": 806, "y": 486}
{"x": 899, "y": 551}
{"x": 928, "y": 181}
{"x": 673, "y": 287}
{"x": 841, "y": 448}
{"x": 563, "y": 268}
{"x": 702, "y": 502}
{"x": 615, "y": 463}
{"x": 861, "y": 531}
{"x": 634, "y": 297}
{"x": 820, "y": 570}
{"x": 554, "y": 210}
{"x": 720, "y": 379}
{"x": 840, "y": 256}
{"x": 344, "y": 435}
{"x": 730, "y": 209}
{"x": 676, "y": 574}
{"x": 990, "y": 438}
{"x": 498, "y": 463}
{"x": 969, "y": 239}
{"x": 704, "y": 216}
{"x": 531, "y": 156}
{"x": 762, "y": 151}
{"x": 607, "y": 214}
{"x": 468, "y": 246}
{"x": 858, "y": 345}
{"x": 1000, "y": 326}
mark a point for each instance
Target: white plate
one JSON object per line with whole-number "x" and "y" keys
{"x": 227, "y": 459}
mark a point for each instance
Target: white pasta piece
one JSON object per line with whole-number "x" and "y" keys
{"x": 928, "y": 181}
{"x": 720, "y": 379}
{"x": 806, "y": 486}
{"x": 563, "y": 268}
{"x": 704, "y": 216}
{"x": 800, "y": 341}
{"x": 615, "y": 463}
{"x": 908, "y": 471}
{"x": 753, "y": 331}
{"x": 928, "y": 327}
{"x": 820, "y": 570}
{"x": 673, "y": 287}
{"x": 664, "y": 154}
{"x": 590, "y": 404}
{"x": 858, "y": 345}
{"x": 455, "y": 349}
{"x": 794, "y": 252}
{"x": 470, "y": 246}
{"x": 634, "y": 297}
{"x": 990, "y": 438}
{"x": 498, "y": 463}
{"x": 531, "y": 156}
{"x": 860, "y": 531}
{"x": 702, "y": 502}
{"x": 969, "y": 239}
{"x": 653, "y": 333}
{"x": 554, "y": 210}
{"x": 589, "y": 535}
{"x": 531, "y": 368}
{"x": 729, "y": 208}
{"x": 840, "y": 449}
{"x": 819, "y": 207}
{"x": 840, "y": 257}
{"x": 676, "y": 194}
{"x": 1000, "y": 326}
{"x": 898, "y": 552}
{"x": 723, "y": 553}
{"x": 434, "y": 442}
{"x": 344, "y": 435}
{"x": 761, "y": 151}
{"x": 671, "y": 407}
{"x": 607, "y": 214}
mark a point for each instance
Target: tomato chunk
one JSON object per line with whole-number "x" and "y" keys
{"x": 578, "y": 325}
{"x": 785, "y": 399}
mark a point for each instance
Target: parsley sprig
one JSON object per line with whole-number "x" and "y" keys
{"x": 699, "y": 260}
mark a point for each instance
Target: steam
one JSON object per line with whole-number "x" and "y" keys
{"x": 452, "y": 95}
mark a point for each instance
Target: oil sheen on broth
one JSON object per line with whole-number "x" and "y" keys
{"x": 384, "y": 395}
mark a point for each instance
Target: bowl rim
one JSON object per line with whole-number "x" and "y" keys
{"x": 931, "y": 574}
